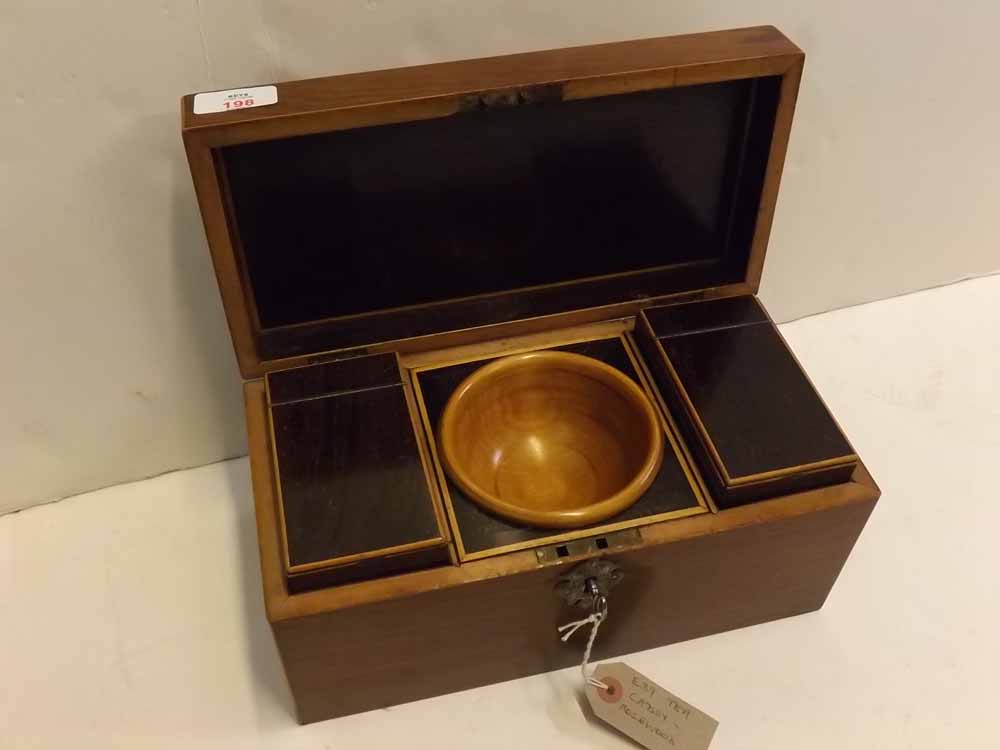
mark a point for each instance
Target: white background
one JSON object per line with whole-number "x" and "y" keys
{"x": 132, "y": 617}
{"x": 117, "y": 362}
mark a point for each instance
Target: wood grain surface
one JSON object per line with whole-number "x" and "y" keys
{"x": 368, "y": 644}
{"x": 356, "y": 496}
{"x": 743, "y": 402}
{"x": 674, "y": 491}
{"x": 551, "y": 439}
{"x": 759, "y": 65}
{"x": 495, "y": 618}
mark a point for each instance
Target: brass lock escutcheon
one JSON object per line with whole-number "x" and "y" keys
{"x": 588, "y": 582}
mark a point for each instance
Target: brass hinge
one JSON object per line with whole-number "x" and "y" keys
{"x": 505, "y": 98}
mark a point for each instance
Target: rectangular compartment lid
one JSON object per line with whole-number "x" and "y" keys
{"x": 749, "y": 411}
{"x": 545, "y": 188}
{"x": 356, "y": 499}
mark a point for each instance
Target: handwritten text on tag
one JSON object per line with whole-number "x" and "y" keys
{"x": 650, "y": 715}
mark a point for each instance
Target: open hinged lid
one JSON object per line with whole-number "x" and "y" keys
{"x": 536, "y": 190}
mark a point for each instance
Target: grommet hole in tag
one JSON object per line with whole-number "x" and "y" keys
{"x": 614, "y": 692}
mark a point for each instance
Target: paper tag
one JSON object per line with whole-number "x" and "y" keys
{"x": 650, "y": 715}
{"x": 234, "y": 99}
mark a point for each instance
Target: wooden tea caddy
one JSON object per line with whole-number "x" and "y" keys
{"x": 378, "y": 236}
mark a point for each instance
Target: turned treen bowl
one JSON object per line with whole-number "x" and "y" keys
{"x": 550, "y": 439}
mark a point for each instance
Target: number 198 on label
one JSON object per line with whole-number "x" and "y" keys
{"x": 233, "y": 99}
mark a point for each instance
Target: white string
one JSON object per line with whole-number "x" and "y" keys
{"x": 571, "y": 627}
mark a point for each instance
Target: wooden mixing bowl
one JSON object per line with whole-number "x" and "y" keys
{"x": 550, "y": 439}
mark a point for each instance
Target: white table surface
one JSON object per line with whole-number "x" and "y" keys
{"x": 131, "y": 617}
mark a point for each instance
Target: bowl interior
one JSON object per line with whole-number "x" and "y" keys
{"x": 546, "y": 436}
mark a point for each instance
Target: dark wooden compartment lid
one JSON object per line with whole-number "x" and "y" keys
{"x": 371, "y": 208}
{"x": 354, "y": 492}
{"x": 747, "y": 408}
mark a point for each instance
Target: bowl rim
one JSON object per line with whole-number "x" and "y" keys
{"x": 572, "y": 518}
